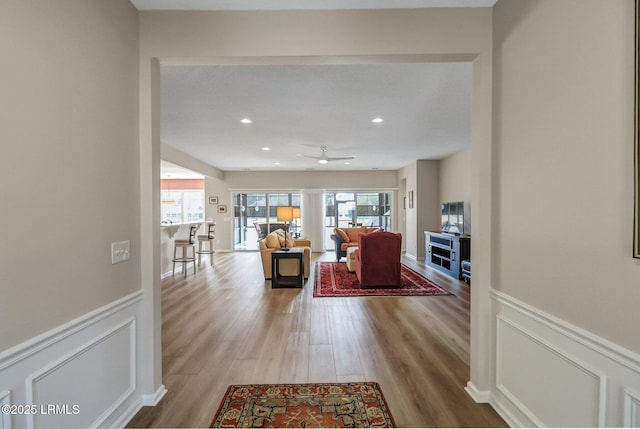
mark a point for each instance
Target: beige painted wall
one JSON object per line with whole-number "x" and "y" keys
{"x": 69, "y": 167}
{"x": 422, "y": 178}
{"x": 427, "y": 201}
{"x": 563, "y": 94}
{"x": 455, "y": 183}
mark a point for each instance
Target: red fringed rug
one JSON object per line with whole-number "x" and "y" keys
{"x": 333, "y": 279}
{"x": 317, "y": 405}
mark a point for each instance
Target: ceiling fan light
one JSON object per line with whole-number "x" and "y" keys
{"x": 323, "y": 161}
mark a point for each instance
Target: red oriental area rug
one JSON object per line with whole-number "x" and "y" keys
{"x": 317, "y": 405}
{"x": 333, "y": 279}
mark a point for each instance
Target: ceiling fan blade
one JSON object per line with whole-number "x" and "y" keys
{"x": 310, "y": 156}
{"x": 324, "y": 158}
{"x": 339, "y": 158}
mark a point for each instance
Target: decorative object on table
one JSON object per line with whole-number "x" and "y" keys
{"x": 213, "y": 200}
{"x": 332, "y": 279}
{"x": 222, "y": 208}
{"x": 285, "y": 214}
{"x": 325, "y": 405}
{"x": 378, "y": 259}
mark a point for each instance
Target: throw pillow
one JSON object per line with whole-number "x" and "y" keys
{"x": 273, "y": 242}
{"x": 280, "y": 234}
{"x": 290, "y": 241}
{"x": 342, "y": 234}
{"x": 355, "y": 232}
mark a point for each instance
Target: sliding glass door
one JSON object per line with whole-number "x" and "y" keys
{"x": 255, "y": 216}
{"x": 348, "y": 209}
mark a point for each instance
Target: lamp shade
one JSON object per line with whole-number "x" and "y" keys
{"x": 284, "y": 214}
{"x": 296, "y": 212}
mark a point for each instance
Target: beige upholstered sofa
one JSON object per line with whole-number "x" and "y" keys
{"x": 274, "y": 241}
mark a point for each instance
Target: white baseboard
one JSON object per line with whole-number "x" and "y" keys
{"x": 152, "y": 400}
{"x": 552, "y": 373}
{"x": 86, "y": 369}
{"x": 480, "y": 396}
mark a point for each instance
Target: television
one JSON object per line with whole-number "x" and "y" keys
{"x": 453, "y": 217}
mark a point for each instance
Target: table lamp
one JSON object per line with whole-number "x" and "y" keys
{"x": 285, "y": 214}
{"x": 296, "y": 216}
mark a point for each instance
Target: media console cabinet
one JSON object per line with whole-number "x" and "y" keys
{"x": 445, "y": 251}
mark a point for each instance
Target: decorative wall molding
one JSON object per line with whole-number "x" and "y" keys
{"x": 40, "y": 377}
{"x": 21, "y": 351}
{"x": 549, "y": 372}
{"x": 631, "y": 408}
{"x": 88, "y": 367}
{"x": 5, "y": 418}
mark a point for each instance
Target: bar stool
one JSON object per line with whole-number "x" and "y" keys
{"x": 207, "y": 239}
{"x": 185, "y": 244}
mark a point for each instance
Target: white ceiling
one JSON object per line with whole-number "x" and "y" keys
{"x": 302, "y": 4}
{"x": 296, "y": 109}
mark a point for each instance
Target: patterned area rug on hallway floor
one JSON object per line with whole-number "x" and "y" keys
{"x": 333, "y": 279}
{"x": 317, "y": 405}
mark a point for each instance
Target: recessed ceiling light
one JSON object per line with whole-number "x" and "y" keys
{"x": 276, "y": 163}
{"x": 323, "y": 161}
{"x": 377, "y": 120}
{"x": 266, "y": 148}
{"x": 347, "y": 163}
{"x": 246, "y": 120}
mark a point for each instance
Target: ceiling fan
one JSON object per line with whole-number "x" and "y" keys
{"x": 324, "y": 158}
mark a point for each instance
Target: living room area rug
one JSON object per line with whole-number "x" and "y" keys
{"x": 332, "y": 279}
{"x": 317, "y": 405}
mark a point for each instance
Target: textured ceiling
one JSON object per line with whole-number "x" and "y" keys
{"x": 296, "y": 109}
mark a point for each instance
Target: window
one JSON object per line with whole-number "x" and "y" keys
{"x": 182, "y": 200}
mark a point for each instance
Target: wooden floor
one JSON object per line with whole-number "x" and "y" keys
{"x": 225, "y": 325}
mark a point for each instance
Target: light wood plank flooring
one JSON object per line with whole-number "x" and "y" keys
{"x": 225, "y": 325}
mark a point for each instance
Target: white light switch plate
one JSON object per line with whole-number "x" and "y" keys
{"x": 120, "y": 251}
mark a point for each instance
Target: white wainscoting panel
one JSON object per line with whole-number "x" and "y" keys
{"x": 5, "y": 418}
{"x": 631, "y": 409}
{"x": 82, "y": 374}
{"x": 550, "y": 373}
